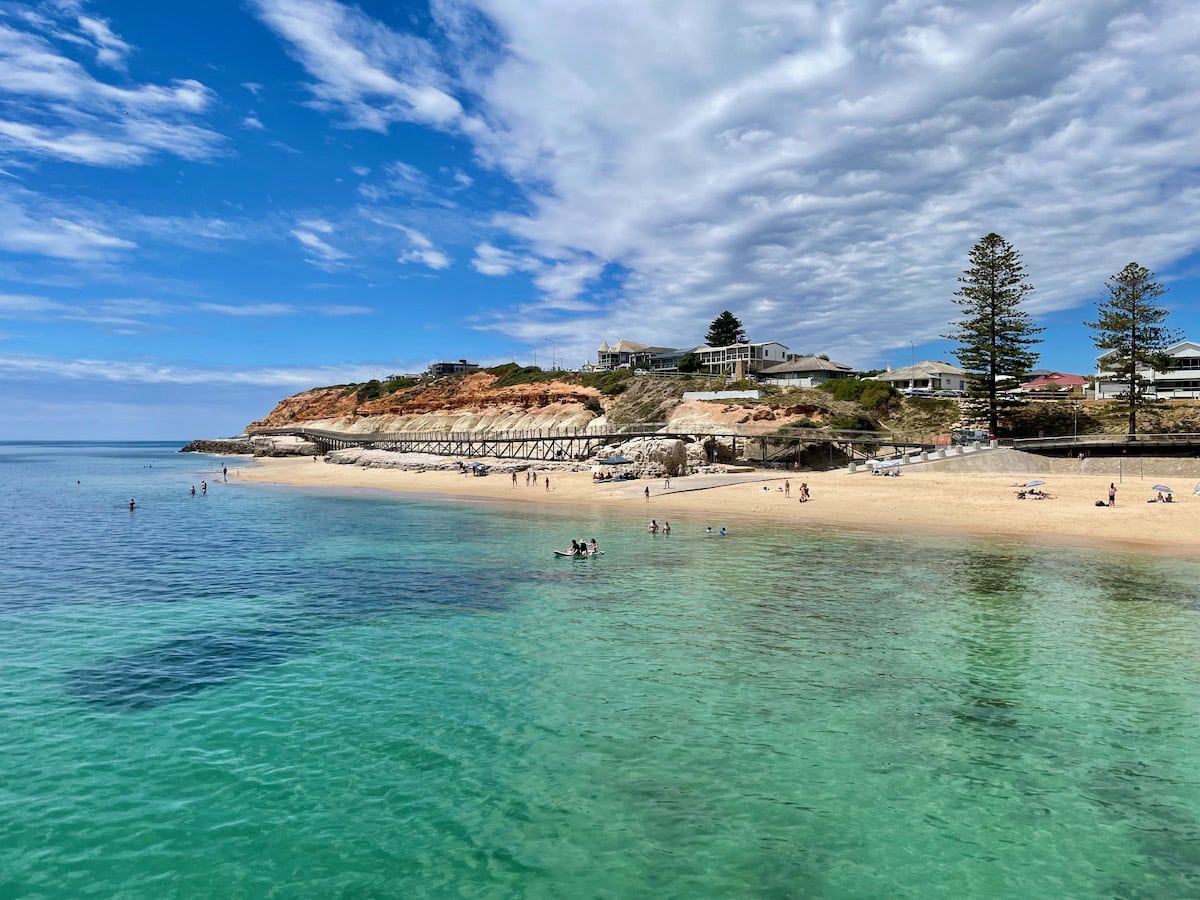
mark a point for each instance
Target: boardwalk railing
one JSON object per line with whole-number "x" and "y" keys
{"x": 580, "y": 443}
{"x": 1106, "y": 440}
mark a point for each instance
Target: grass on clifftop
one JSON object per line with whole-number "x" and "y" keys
{"x": 607, "y": 383}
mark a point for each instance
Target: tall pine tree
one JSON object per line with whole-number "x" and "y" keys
{"x": 995, "y": 335}
{"x": 724, "y": 330}
{"x": 1130, "y": 326}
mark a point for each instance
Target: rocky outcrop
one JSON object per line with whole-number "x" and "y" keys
{"x": 428, "y": 462}
{"x": 283, "y": 445}
{"x": 224, "y": 446}
{"x": 470, "y": 403}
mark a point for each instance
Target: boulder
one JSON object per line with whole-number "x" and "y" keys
{"x": 283, "y": 445}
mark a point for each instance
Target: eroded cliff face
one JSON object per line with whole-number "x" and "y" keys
{"x": 472, "y": 403}
{"x": 467, "y": 404}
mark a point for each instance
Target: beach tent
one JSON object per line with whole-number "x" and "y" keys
{"x": 883, "y": 463}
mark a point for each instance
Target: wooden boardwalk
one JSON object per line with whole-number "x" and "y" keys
{"x": 1109, "y": 444}
{"x": 582, "y": 443}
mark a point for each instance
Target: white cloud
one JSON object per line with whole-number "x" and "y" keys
{"x": 347, "y": 310}
{"x": 318, "y": 252}
{"x": 110, "y": 49}
{"x": 254, "y": 88}
{"x": 836, "y": 161}
{"x": 361, "y": 171}
{"x": 53, "y": 107}
{"x": 252, "y": 122}
{"x": 248, "y": 310}
{"x": 491, "y": 260}
{"x": 31, "y": 224}
{"x": 51, "y": 368}
{"x": 420, "y": 248}
{"x": 366, "y": 72}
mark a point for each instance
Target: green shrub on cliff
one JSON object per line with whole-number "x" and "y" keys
{"x": 867, "y": 392}
{"x": 374, "y": 389}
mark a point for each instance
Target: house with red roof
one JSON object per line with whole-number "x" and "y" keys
{"x": 1055, "y": 385}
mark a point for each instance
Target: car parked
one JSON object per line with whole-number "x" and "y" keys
{"x": 948, "y": 393}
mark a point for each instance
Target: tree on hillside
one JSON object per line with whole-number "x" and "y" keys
{"x": 689, "y": 362}
{"x": 995, "y": 335}
{"x": 725, "y": 329}
{"x": 1130, "y": 327}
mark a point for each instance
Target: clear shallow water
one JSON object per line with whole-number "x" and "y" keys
{"x": 273, "y": 693}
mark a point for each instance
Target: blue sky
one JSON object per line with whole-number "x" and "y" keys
{"x": 205, "y": 207}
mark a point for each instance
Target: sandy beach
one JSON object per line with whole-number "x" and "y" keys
{"x": 919, "y": 502}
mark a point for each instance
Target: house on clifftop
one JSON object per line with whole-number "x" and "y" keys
{"x": 1179, "y": 379}
{"x": 805, "y": 371}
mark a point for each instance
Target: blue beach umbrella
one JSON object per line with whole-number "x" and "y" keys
{"x": 1037, "y": 482}
{"x": 1163, "y": 488}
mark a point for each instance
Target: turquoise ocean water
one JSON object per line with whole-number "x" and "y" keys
{"x": 277, "y": 693}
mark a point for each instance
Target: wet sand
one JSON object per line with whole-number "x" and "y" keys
{"x": 920, "y": 502}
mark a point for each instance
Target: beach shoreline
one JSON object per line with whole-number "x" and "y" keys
{"x": 925, "y": 505}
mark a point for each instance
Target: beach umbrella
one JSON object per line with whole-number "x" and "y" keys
{"x": 1196, "y": 489}
{"x": 1037, "y": 482}
{"x": 1163, "y": 488}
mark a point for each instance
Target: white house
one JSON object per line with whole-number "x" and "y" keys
{"x": 932, "y": 375}
{"x": 628, "y": 354}
{"x": 1179, "y": 380}
{"x": 805, "y": 371}
{"x": 743, "y": 359}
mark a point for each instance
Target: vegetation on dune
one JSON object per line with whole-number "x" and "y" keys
{"x": 868, "y": 393}
{"x": 608, "y": 383}
{"x": 374, "y": 389}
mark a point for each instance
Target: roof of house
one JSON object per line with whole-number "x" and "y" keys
{"x": 1183, "y": 348}
{"x": 806, "y": 364}
{"x": 1056, "y": 379}
{"x": 921, "y": 370}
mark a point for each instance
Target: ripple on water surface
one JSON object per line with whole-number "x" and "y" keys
{"x": 261, "y": 692}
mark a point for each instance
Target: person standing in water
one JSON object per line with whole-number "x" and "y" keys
{"x": 666, "y": 528}
{"x": 204, "y": 488}
{"x": 193, "y": 490}
{"x": 131, "y": 504}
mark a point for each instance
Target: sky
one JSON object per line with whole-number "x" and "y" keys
{"x": 205, "y": 207}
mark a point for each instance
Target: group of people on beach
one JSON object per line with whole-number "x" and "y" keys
{"x": 583, "y": 548}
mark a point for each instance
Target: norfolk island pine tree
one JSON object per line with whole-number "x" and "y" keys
{"x": 995, "y": 335}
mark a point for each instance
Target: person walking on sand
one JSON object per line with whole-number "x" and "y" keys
{"x": 1112, "y": 494}
{"x": 787, "y": 487}
{"x": 514, "y": 477}
{"x": 547, "y": 480}
{"x": 647, "y": 493}
{"x": 667, "y": 482}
